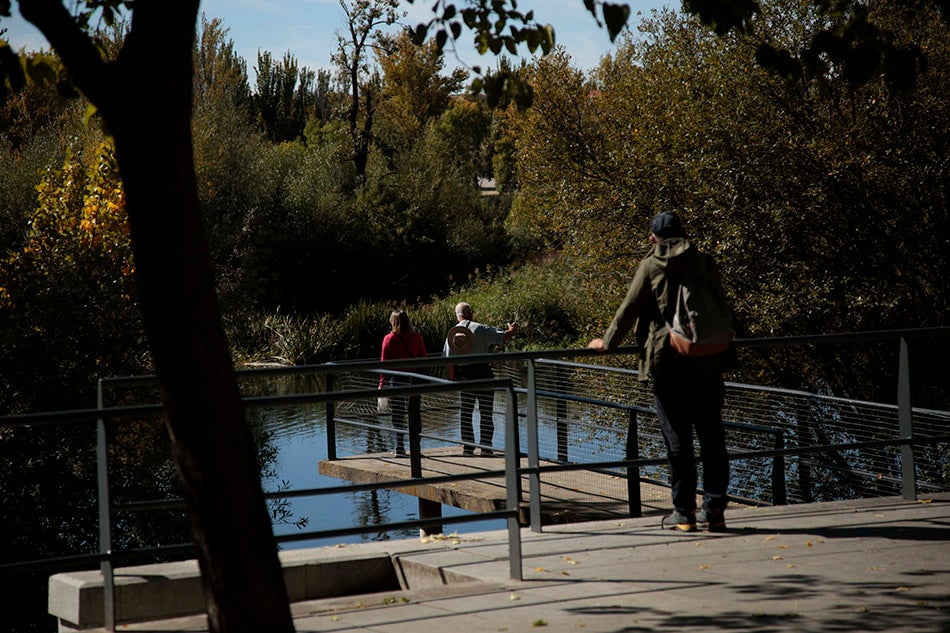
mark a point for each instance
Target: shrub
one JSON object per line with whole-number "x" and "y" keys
{"x": 283, "y": 338}
{"x": 68, "y": 312}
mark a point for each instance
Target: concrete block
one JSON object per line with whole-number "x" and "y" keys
{"x": 76, "y": 598}
{"x": 167, "y": 590}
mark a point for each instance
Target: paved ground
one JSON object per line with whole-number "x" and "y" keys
{"x": 869, "y": 565}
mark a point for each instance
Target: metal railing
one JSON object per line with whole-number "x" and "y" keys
{"x": 906, "y": 441}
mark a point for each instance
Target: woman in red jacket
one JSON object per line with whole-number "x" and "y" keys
{"x": 402, "y": 342}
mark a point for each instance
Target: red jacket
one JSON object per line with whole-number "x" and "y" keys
{"x": 410, "y": 345}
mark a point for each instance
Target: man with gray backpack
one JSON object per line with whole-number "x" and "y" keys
{"x": 683, "y": 326}
{"x": 470, "y": 337}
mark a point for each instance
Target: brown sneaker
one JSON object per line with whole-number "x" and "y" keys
{"x": 711, "y": 520}
{"x": 679, "y": 521}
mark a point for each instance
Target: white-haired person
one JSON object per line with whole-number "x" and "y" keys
{"x": 471, "y": 337}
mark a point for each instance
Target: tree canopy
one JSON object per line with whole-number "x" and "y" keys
{"x": 849, "y": 37}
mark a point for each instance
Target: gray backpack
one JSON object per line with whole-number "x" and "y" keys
{"x": 702, "y": 320}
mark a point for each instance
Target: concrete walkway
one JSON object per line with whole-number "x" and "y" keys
{"x": 867, "y": 565}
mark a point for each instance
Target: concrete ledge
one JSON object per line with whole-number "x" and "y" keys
{"x": 170, "y": 590}
{"x": 415, "y": 575}
{"x": 141, "y": 593}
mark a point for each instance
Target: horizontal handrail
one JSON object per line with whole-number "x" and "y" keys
{"x": 545, "y": 355}
{"x": 77, "y": 416}
{"x": 166, "y": 504}
{"x": 401, "y": 525}
{"x": 585, "y": 400}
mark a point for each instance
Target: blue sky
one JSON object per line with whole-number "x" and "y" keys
{"x": 307, "y": 28}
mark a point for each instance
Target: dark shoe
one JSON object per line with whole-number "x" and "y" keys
{"x": 487, "y": 452}
{"x": 679, "y": 521}
{"x": 468, "y": 451}
{"x": 711, "y": 520}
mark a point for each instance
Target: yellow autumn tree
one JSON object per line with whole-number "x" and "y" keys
{"x": 68, "y": 311}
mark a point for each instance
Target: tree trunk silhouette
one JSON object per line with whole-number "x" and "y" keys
{"x": 145, "y": 99}
{"x": 362, "y": 138}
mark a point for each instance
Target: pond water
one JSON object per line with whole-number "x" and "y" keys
{"x": 298, "y": 435}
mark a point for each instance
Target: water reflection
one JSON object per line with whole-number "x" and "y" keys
{"x": 298, "y": 437}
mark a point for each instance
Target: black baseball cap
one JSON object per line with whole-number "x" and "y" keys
{"x": 667, "y": 224}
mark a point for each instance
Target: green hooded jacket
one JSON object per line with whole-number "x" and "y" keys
{"x": 648, "y": 306}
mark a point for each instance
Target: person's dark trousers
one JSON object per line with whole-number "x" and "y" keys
{"x": 486, "y": 426}
{"x": 486, "y": 407}
{"x": 400, "y": 406}
{"x": 400, "y": 409}
{"x": 686, "y": 401}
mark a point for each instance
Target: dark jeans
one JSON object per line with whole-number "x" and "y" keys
{"x": 399, "y": 406}
{"x": 486, "y": 425}
{"x": 486, "y": 406}
{"x": 400, "y": 410}
{"x": 688, "y": 401}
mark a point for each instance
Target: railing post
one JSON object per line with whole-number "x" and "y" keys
{"x": 633, "y": 472}
{"x": 427, "y": 509}
{"x": 779, "y": 493}
{"x": 414, "y": 416}
{"x": 512, "y": 485}
{"x": 534, "y": 479}
{"x": 804, "y": 439}
{"x": 905, "y": 416}
{"x": 331, "y": 423}
{"x": 105, "y": 517}
{"x": 560, "y": 424}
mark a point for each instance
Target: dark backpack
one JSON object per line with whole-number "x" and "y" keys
{"x": 702, "y": 320}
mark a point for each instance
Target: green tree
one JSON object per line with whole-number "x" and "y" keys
{"x": 568, "y": 166}
{"x": 324, "y": 101}
{"x": 220, "y": 73}
{"x": 850, "y": 37}
{"x": 438, "y": 213}
{"x": 285, "y": 97}
{"x": 38, "y": 105}
{"x": 364, "y": 19}
{"x": 36, "y": 122}
{"x": 414, "y": 90}
{"x": 228, "y": 152}
{"x": 67, "y": 298}
{"x": 788, "y": 184}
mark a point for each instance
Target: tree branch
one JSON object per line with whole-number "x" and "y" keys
{"x": 73, "y": 45}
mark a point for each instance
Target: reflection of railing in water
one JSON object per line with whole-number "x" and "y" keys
{"x": 800, "y": 426}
